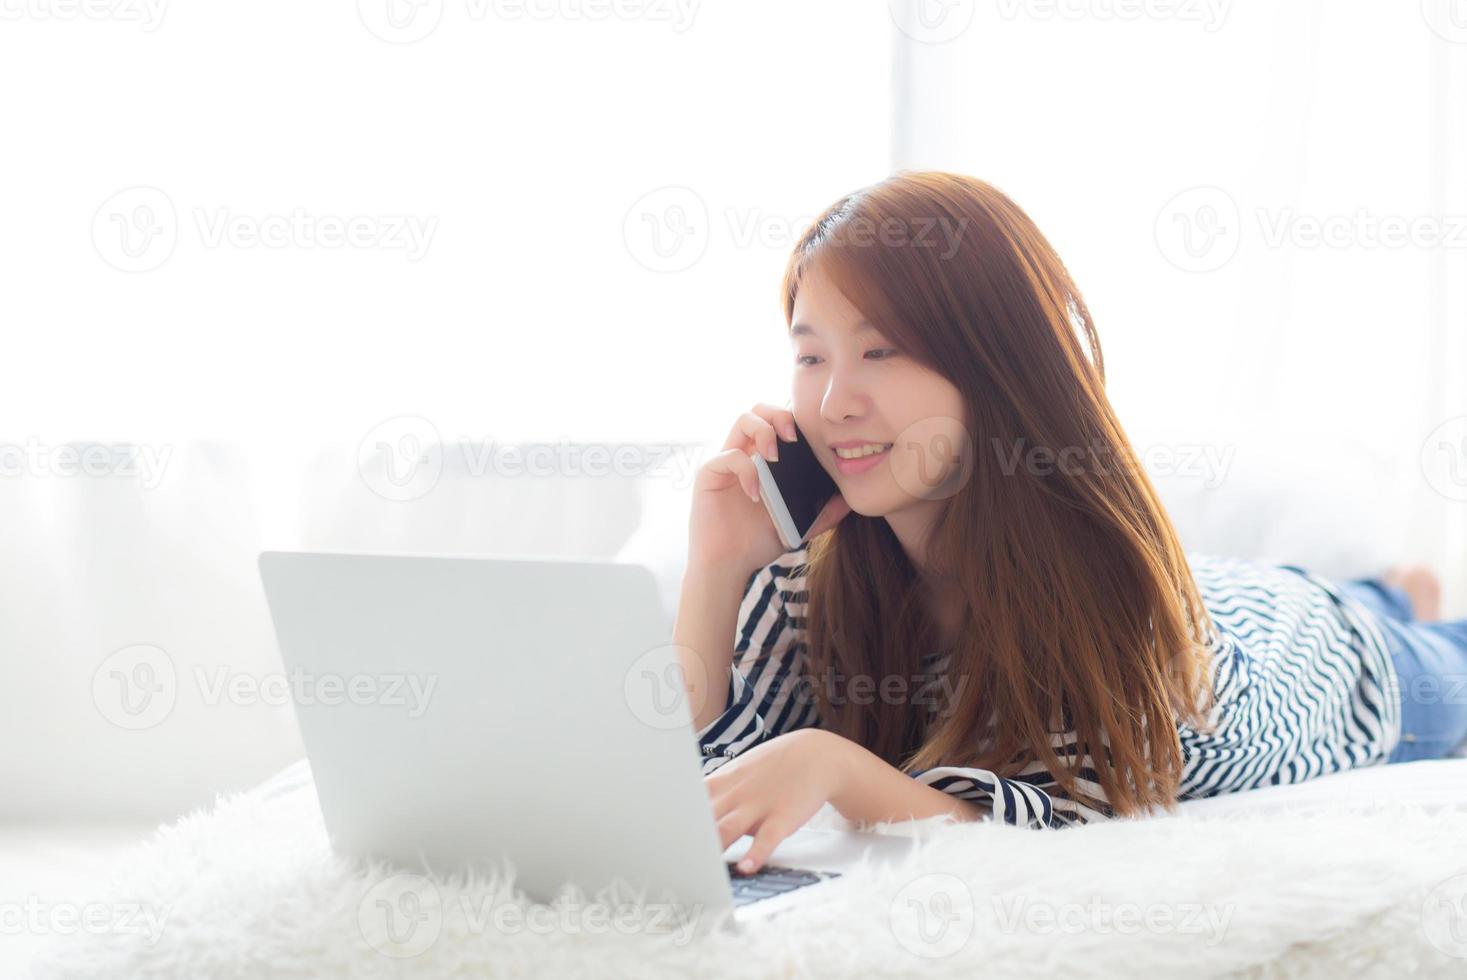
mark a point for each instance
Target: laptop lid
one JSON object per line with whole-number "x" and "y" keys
{"x": 463, "y": 711}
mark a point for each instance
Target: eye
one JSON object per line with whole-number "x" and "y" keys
{"x": 891, "y": 351}
{"x": 800, "y": 359}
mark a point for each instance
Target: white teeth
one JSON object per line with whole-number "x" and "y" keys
{"x": 858, "y": 451}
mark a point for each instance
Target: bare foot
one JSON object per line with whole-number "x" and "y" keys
{"x": 1423, "y": 587}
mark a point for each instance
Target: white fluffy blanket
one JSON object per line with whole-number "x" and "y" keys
{"x": 251, "y": 888}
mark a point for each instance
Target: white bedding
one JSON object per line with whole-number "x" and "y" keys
{"x": 1433, "y": 785}
{"x": 1312, "y": 880}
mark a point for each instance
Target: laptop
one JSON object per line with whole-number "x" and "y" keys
{"x": 522, "y": 713}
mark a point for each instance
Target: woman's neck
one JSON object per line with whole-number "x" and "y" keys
{"x": 945, "y": 605}
{"x": 910, "y": 525}
{"x": 945, "y": 600}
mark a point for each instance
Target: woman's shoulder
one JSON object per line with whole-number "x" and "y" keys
{"x": 1223, "y": 574}
{"x": 1247, "y": 594}
{"x": 1211, "y": 564}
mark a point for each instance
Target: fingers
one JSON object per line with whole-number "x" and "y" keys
{"x": 761, "y": 429}
{"x": 737, "y": 812}
{"x": 781, "y": 418}
{"x": 738, "y": 464}
{"x": 768, "y": 832}
{"x": 733, "y": 813}
{"x": 766, "y": 839}
{"x": 733, "y": 825}
{"x": 760, "y": 433}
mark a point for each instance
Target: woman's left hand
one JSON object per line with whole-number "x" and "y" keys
{"x": 771, "y": 790}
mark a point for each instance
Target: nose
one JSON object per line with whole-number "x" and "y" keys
{"x": 844, "y": 397}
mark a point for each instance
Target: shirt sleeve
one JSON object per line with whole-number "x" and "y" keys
{"x": 1031, "y": 798}
{"x": 766, "y": 696}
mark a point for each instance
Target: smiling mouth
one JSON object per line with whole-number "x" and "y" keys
{"x": 860, "y": 452}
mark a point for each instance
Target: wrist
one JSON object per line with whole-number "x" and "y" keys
{"x": 865, "y": 789}
{"x": 843, "y": 760}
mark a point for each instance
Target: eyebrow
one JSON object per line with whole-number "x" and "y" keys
{"x": 804, "y": 329}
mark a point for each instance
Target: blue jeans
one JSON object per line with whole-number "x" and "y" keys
{"x": 1431, "y": 663}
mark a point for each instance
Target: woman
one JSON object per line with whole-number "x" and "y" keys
{"x": 994, "y": 616}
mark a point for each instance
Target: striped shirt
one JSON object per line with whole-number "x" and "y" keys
{"x": 1302, "y": 677}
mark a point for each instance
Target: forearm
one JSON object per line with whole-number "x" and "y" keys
{"x": 707, "y": 616}
{"x": 872, "y": 791}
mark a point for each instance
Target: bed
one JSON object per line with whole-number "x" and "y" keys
{"x": 1362, "y": 873}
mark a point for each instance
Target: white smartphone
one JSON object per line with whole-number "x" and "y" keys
{"x": 794, "y": 489}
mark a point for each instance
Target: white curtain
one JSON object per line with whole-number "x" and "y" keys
{"x": 249, "y": 250}
{"x": 1265, "y": 205}
{"x": 573, "y": 230}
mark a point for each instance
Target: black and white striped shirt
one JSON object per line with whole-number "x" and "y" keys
{"x": 1303, "y": 685}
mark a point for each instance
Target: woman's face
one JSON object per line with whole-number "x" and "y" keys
{"x": 853, "y": 386}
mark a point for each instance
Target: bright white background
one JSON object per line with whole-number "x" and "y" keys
{"x": 610, "y": 201}
{"x": 1331, "y": 377}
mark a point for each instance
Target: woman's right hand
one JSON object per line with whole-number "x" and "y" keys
{"x": 729, "y": 529}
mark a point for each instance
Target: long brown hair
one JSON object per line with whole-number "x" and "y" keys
{"x": 1081, "y": 613}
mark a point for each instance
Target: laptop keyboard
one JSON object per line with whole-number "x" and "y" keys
{"x": 771, "y": 880}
